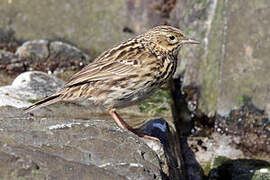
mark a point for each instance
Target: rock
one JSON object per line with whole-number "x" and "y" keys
{"x": 241, "y": 169}
{"x": 11, "y": 63}
{"x": 34, "y": 49}
{"x": 27, "y": 87}
{"x": 223, "y": 79}
{"x": 39, "y": 146}
{"x": 249, "y": 129}
{"x": 52, "y": 56}
{"x": 101, "y": 24}
{"x": 45, "y": 56}
{"x": 206, "y": 148}
{"x": 232, "y": 61}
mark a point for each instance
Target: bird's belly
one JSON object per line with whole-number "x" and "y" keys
{"x": 124, "y": 98}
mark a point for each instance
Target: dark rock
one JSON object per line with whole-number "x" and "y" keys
{"x": 249, "y": 128}
{"x": 11, "y": 63}
{"x": 241, "y": 169}
{"x": 228, "y": 67}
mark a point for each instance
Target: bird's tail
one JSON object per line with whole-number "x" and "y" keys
{"x": 44, "y": 102}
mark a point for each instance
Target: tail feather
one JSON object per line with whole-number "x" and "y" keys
{"x": 44, "y": 102}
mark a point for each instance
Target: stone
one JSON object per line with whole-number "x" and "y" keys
{"x": 101, "y": 24}
{"x": 34, "y": 49}
{"x": 50, "y": 56}
{"x": 28, "y": 87}
{"x": 232, "y": 60}
{"x": 11, "y": 63}
{"x": 45, "y": 144}
{"x": 239, "y": 169}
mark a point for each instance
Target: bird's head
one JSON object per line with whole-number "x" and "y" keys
{"x": 168, "y": 39}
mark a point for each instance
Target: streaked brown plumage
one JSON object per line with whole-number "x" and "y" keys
{"x": 125, "y": 74}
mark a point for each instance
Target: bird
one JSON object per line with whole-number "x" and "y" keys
{"x": 125, "y": 74}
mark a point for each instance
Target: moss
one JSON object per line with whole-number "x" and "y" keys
{"x": 33, "y": 100}
{"x": 35, "y": 172}
{"x": 157, "y": 104}
{"x": 206, "y": 167}
{"x": 218, "y": 161}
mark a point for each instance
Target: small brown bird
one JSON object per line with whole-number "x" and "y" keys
{"x": 125, "y": 74}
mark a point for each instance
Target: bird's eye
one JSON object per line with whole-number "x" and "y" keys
{"x": 171, "y": 37}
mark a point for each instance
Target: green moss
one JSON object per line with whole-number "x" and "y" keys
{"x": 157, "y": 104}
{"x": 218, "y": 161}
{"x": 206, "y": 167}
{"x": 33, "y": 100}
{"x": 35, "y": 172}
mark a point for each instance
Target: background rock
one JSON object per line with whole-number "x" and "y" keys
{"x": 241, "y": 169}
{"x": 92, "y": 25}
{"x": 29, "y": 87}
{"x": 232, "y": 61}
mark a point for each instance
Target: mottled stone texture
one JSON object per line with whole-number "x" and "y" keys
{"x": 92, "y": 25}
{"x": 233, "y": 59}
{"x": 70, "y": 147}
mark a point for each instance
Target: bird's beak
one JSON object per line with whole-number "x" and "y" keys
{"x": 190, "y": 41}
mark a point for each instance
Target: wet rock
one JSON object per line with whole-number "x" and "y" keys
{"x": 241, "y": 169}
{"x": 28, "y": 87}
{"x": 206, "y": 148}
{"x": 89, "y": 143}
{"x": 249, "y": 129}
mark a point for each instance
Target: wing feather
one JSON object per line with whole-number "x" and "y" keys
{"x": 113, "y": 64}
{"x": 99, "y": 71}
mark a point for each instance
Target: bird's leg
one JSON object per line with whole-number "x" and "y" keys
{"x": 121, "y": 123}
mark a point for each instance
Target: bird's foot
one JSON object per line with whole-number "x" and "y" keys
{"x": 121, "y": 123}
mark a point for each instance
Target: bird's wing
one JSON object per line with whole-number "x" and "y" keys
{"x": 98, "y": 71}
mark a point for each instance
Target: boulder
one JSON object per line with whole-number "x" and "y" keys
{"x": 28, "y": 87}
{"x": 34, "y": 146}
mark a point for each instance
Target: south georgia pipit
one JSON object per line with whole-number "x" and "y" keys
{"x": 125, "y": 74}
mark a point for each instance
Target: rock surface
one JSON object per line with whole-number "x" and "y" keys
{"x": 92, "y": 25}
{"x": 232, "y": 61}
{"x": 241, "y": 169}
{"x": 29, "y": 87}
{"x": 50, "y": 146}
{"x": 75, "y": 118}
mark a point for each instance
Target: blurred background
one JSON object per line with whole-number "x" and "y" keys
{"x": 220, "y": 94}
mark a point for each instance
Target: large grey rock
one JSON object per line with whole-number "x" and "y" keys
{"x": 55, "y": 146}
